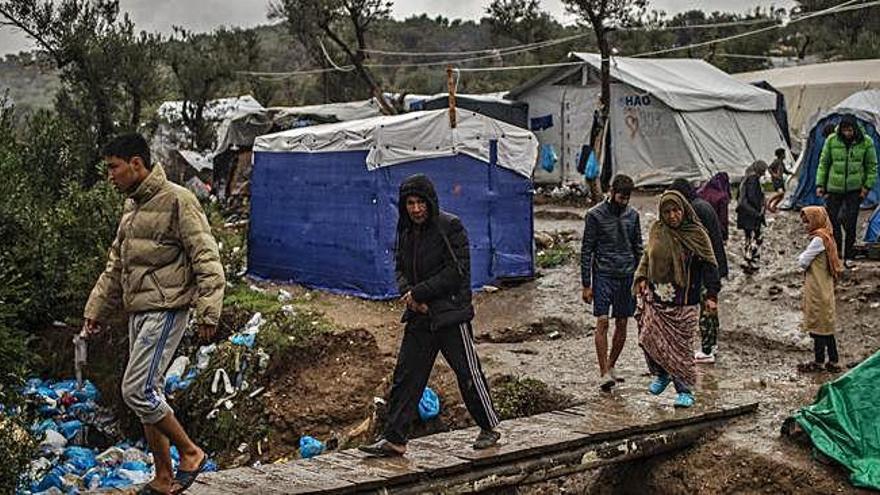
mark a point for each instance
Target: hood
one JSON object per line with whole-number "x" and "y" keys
{"x": 859, "y": 133}
{"x": 416, "y": 185}
{"x": 685, "y": 188}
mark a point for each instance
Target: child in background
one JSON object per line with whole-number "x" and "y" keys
{"x": 750, "y": 214}
{"x": 822, "y": 267}
{"x": 778, "y": 171}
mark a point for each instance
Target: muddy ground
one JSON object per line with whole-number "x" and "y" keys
{"x": 541, "y": 329}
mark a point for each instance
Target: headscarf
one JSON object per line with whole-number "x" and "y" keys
{"x": 663, "y": 260}
{"x": 820, "y": 226}
{"x": 717, "y": 187}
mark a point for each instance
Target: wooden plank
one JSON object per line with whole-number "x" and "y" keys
{"x": 519, "y": 440}
{"x": 239, "y": 481}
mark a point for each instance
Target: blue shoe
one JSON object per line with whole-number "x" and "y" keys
{"x": 659, "y": 384}
{"x": 684, "y": 399}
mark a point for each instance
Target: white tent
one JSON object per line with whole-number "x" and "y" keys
{"x": 669, "y": 118}
{"x": 812, "y": 89}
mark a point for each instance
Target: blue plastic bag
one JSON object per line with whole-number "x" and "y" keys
{"x": 429, "y": 405}
{"x": 592, "y": 169}
{"x": 548, "y": 157}
{"x": 80, "y": 458}
{"x": 310, "y": 447}
{"x": 245, "y": 339}
{"x": 70, "y": 428}
{"x": 136, "y": 466}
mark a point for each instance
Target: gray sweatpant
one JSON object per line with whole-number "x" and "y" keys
{"x": 153, "y": 340}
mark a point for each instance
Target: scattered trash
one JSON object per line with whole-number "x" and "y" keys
{"x": 203, "y": 356}
{"x": 554, "y": 335}
{"x": 309, "y": 447}
{"x": 429, "y": 405}
{"x": 284, "y": 296}
{"x": 489, "y": 289}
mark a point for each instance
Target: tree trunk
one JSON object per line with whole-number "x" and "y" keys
{"x": 605, "y": 73}
{"x": 363, "y": 72}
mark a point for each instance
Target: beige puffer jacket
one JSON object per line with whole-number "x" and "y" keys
{"x": 164, "y": 256}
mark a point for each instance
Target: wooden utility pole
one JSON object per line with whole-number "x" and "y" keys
{"x": 450, "y": 88}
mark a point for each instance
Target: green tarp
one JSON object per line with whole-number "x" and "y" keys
{"x": 844, "y": 422}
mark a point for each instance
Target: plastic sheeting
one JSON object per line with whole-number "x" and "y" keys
{"x": 842, "y": 423}
{"x": 403, "y": 138}
{"x": 325, "y": 220}
{"x": 686, "y": 84}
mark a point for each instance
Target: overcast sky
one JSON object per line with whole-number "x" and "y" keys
{"x": 203, "y": 15}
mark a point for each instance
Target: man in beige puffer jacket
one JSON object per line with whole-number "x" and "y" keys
{"x": 163, "y": 262}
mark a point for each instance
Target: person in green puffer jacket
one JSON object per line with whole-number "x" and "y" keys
{"x": 847, "y": 172}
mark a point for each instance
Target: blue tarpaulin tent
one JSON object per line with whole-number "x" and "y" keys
{"x": 324, "y": 198}
{"x": 865, "y": 106}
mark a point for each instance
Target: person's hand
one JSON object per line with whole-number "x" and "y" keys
{"x": 90, "y": 327}
{"x": 820, "y": 191}
{"x": 864, "y": 192}
{"x": 587, "y": 295}
{"x": 206, "y": 332}
{"x": 711, "y": 305}
{"x": 407, "y": 299}
{"x": 642, "y": 286}
{"x": 421, "y": 308}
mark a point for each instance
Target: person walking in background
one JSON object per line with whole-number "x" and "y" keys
{"x": 677, "y": 265}
{"x": 610, "y": 250}
{"x": 847, "y": 172}
{"x": 163, "y": 261}
{"x": 750, "y": 214}
{"x": 716, "y": 192}
{"x": 433, "y": 266}
{"x": 709, "y": 322}
{"x": 822, "y": 268}
{"x": 778, "y": 171}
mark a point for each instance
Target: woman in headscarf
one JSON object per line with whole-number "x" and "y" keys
{"x": 716, "y": 192}
{"x": 823, "y": 268}
{"x": 677, "y": 264}
{"x": 750, "y": 212}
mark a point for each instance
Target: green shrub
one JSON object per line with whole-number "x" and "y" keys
{"x": 17, "y": 447}
{"x": 555, "y": 256}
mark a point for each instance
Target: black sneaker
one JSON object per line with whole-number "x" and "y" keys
{"x": 383, "y": 448}
{"x": 486, "y": 439}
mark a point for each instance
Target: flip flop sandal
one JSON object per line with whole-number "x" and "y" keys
{"x": 185, "y": 479}
{"x": 149, "y": 490}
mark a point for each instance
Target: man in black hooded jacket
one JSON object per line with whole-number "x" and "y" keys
{"x": 433, "y": 275}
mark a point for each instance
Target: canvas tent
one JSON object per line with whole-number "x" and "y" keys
{"x": 324, "y": 198}
{"x": 815, "y": 88}
{"x": 493, "y": 106}
{"x": 669, "y": 118}
{"x": 865, "y": 106}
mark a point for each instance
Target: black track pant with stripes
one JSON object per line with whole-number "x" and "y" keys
{"x": 418, "y": 351}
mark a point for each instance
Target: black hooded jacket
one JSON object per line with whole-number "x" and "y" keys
{"x": 706, "y": 213}
{"x": 433, "y": 259}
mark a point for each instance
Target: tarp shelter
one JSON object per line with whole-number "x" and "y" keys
{"x": 815, "y": 88}
{"x": 324, "y": 198}
{"x": 864, "y": 106}
{"x": 669, "y": 118}
{"x": 496, "y": 107}
{"x": 781, "y": 114}
{"x": 842, "y": 423}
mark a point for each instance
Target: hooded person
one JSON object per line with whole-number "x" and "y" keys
{"x": 717, "y": 193}
{"x": 677, "y": 266}
{"x": 709, "y": 322}
{"x": 432, "y": 264}
{"x": 750, "y": 213}
{"x": 847, "y": 171}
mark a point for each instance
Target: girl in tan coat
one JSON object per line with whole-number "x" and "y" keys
{"x": 823, "y": 267}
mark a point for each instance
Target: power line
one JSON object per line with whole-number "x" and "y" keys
{"x": 502, "y": 50}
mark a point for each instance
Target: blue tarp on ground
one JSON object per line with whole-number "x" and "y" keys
{"x": 325, "y": 221}
{"x": 805, "y": 194}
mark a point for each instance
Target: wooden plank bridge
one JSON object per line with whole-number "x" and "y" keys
{"x": 623, "y": 428}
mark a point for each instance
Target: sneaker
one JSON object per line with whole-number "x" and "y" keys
{"x": 383, "y": 448}
{"x": 702, "y": 358}
{"x": 684, "y": 399}
{"x": 612, "y": 373}
{"x": 608, "y": 382}
{"x": 486, "y": 439}
{"x": 659, "y": 385}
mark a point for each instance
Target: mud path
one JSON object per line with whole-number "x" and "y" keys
{"x": 541, "y": 329}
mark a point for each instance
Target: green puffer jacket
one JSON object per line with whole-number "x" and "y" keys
{"x": 164, "y": 256}
{"x": 845, "y": 169}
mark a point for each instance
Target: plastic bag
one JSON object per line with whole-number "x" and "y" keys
{"x": 309, "y": 447}
{"x": 81, "y": 458}
{"x": 429, "y": 405}
{"x": 548, "y": 157}
{"x": 245, "y": 339}
{"x": 592, "y": 169}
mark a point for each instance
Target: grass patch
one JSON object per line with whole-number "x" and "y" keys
{"x": 555, "y": 256}
{"x": 517, "y": 397}
{"x": 284, "y": 332}
{"x": 242, "y": 297}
